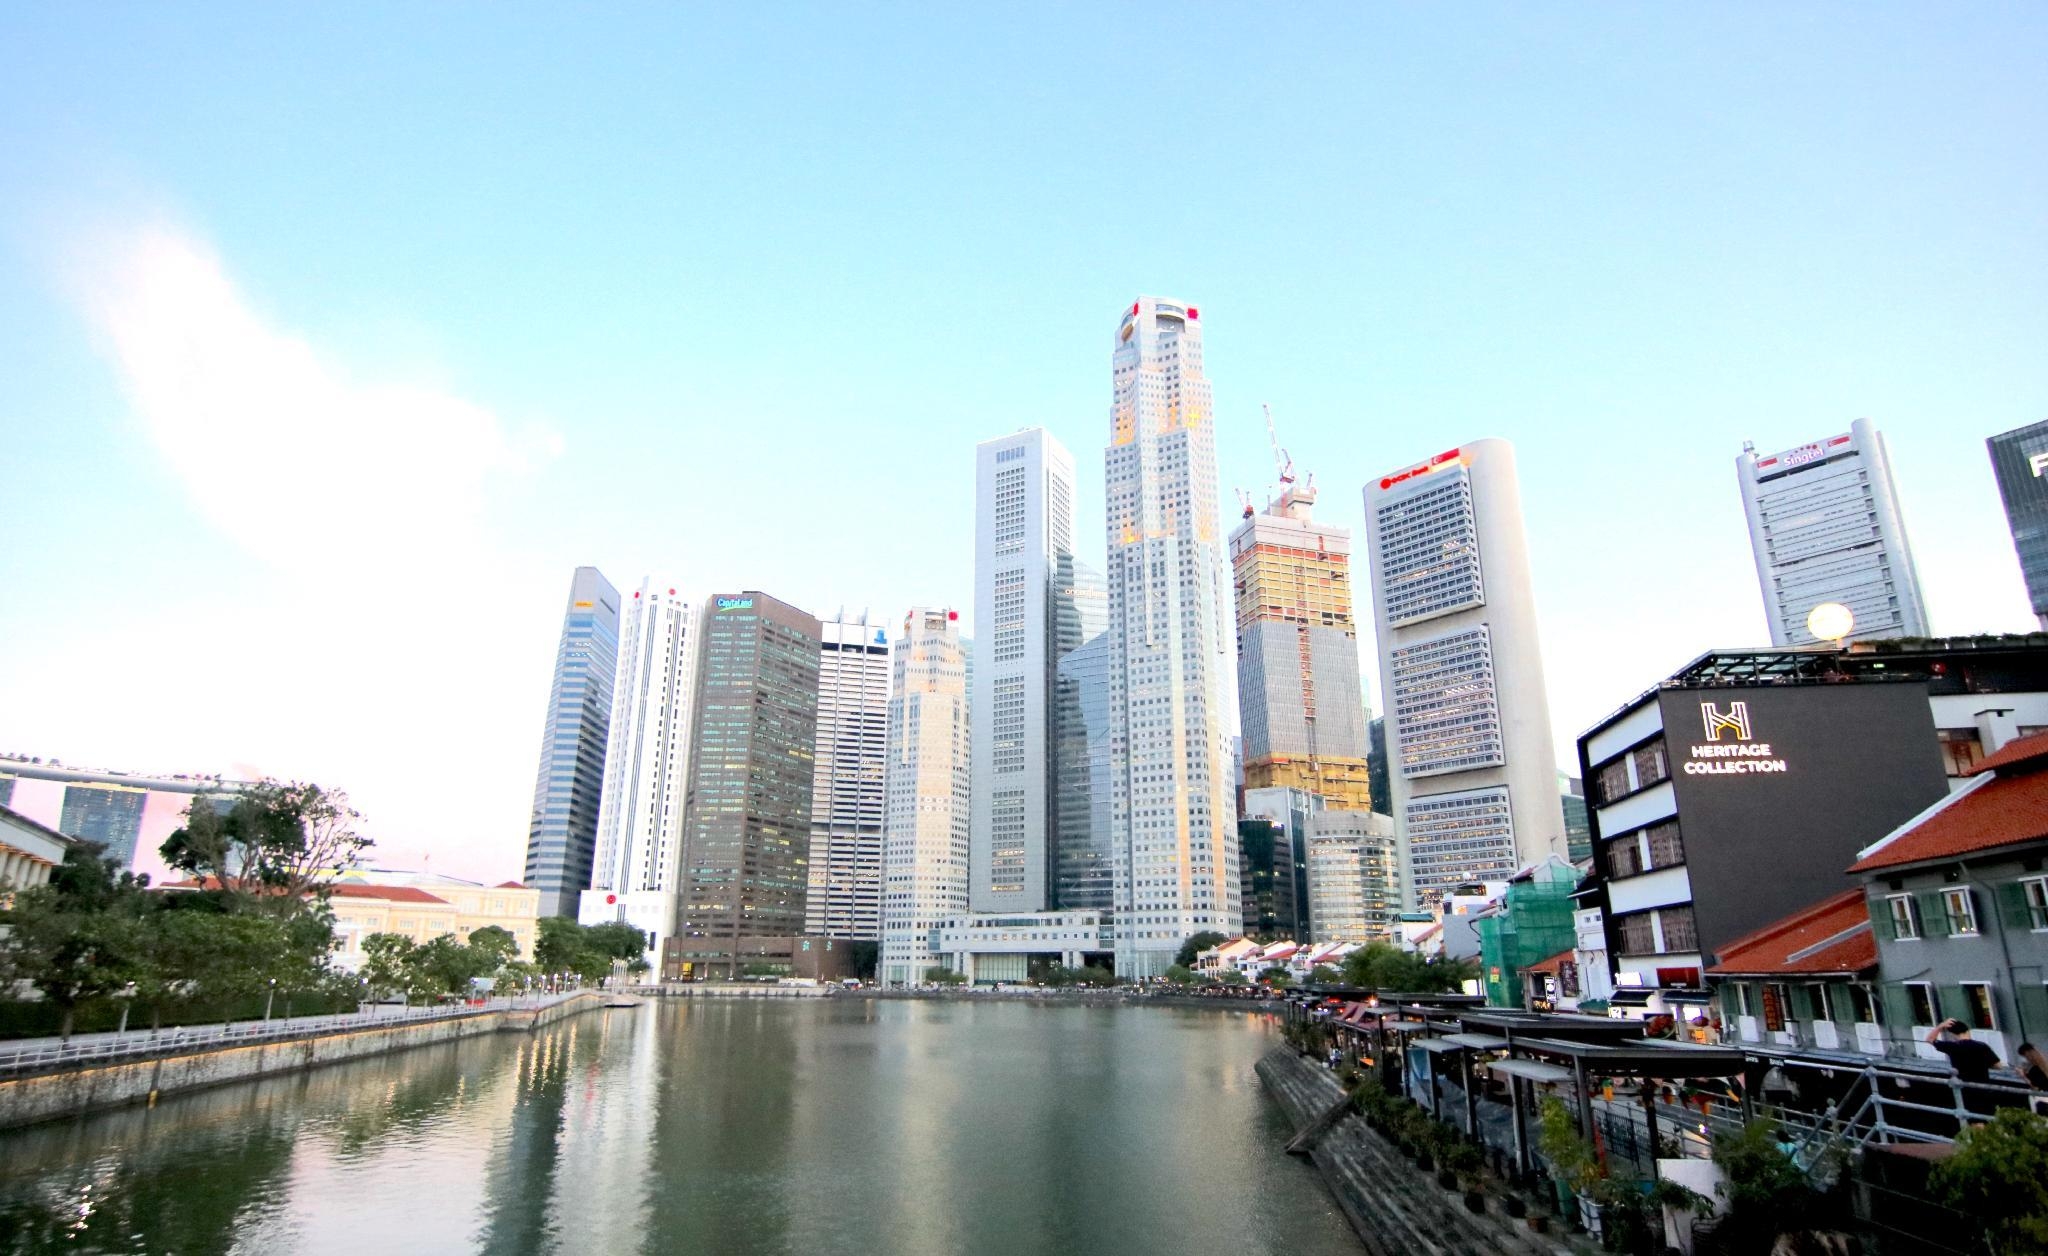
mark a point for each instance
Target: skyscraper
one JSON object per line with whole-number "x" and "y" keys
{"x": 1824, "y": 525}
{"x": 1472, "y": 770}
{"x": 1023, "y": 546}
{"x": 562, "y": 839}
{"x": 636, "y": 869}
{"x": 1173, "y": 813}
{"x": 108, "y": 814}
{"x": 1297, "y": 654}
{"x": 1354, "y": 877}
{"x": 749, "y": 827}
{"x": 929, "y": 815}
{"x": 2019, "y": 459}
{"x": 1084, "y": 863}
{"x": 849, "y": 782}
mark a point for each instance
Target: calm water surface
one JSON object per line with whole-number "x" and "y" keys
{"x": 803, "y": 1126}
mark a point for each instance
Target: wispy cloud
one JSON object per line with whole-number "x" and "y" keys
{"x": 339, "y": 655}
{"x": 281, "y": 449}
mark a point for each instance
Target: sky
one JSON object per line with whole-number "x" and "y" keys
{"x": 333, "y": 338}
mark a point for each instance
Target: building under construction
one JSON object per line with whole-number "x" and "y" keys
{"x": 1297, "y": 649}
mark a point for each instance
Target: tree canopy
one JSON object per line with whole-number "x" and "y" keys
{"x": 588, "y": 950}
{"x": 1384, "y": 966}
{"x": 1203, "y": 941}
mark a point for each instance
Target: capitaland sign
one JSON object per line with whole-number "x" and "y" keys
{"x": 1730, "y": 748}
{"x": 735, "y": 603}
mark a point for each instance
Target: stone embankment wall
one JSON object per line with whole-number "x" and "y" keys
{"x": 1396, "y": 1208}
{"x": 51, "y": 1096}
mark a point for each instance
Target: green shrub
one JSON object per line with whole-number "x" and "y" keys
{"x": 1999, "y": 1175}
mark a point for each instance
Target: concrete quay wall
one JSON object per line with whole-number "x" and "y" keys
{"x": 1396, "y": 1209}
{"x": 53, "y": 1096}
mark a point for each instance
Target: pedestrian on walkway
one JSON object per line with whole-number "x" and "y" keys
{"x": 1972, "y": 1061}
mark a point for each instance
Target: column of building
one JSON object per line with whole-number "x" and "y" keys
{"x": 927, "y": 820}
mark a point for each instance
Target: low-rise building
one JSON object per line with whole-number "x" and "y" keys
{"x": 1223, "y": 958}
{"x": 992, "y": 948}
{"x": 1529, "y": 923}
{"x": 29, "y": 852}
{"x": 1804, "y": 982}
{"x": 1958, "y": 900}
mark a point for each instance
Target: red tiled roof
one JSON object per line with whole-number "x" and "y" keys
{"x": 2018, "y": 750}
{"x": 390, "y": 893}
{"x": 1550, "y": 965}
{"x": 508, "y": 885}
{"x": 1831, "y": 936}
{"x": 1999, "y": 808}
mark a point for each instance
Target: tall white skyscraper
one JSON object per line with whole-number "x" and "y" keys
{"x": 637, "y": 869}
{"x": 844, "y": 899}
{"x": 1173, "y": 814}
{"x": 1824, "y": 525}
{"x": 925, "y": 843}
{"x": 1471, "y": 766}
{"x": 1023, "y": 560}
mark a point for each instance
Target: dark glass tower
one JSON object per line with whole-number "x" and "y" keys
{"x": 108, "y": 814}
{"x": 747, "y": 827}
{"x": 565, "y": 797}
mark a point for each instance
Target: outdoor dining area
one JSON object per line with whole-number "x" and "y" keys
{"x": 1485, "y": 1071}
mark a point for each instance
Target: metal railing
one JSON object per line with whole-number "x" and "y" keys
{"x": 46, "y": 1055}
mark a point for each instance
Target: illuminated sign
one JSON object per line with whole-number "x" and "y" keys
{"x": 1804, "y": 454}
{"x": 735, "y": 603}
{"x": 1740, "y": 756}
{"x": 2037, "y": 464}
{"x": 1422, "y": 468}
{"x": 586, "y": 605}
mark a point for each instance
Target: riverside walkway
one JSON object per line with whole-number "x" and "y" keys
{"x": 25, "y": 1056}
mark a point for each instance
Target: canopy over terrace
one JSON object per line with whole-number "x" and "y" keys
{"x": 1647, "y": 1061}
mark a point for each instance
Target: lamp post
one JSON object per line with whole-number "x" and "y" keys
{"x": 269, "y": 999}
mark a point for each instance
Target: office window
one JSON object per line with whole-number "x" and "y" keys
{"x": 1651, "y": 764}
{"x": 1821, "y": 1003}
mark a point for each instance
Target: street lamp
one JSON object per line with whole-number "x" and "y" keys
{"x": 272, "y": 998}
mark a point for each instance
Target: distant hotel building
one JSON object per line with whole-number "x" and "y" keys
{"x": 1824, "y": 525}
{"x": 928, "y": 813}
{"x": 1174, "y": 813}
{"x": 849, "y": 787}
{"x": 1023, "y": 547}
{"x": 637, "y": 866}
{"x": 562, "y": 839}
{"x": 1472, "y": 768}
{"x": 1297, "y": 654}
{"x": 128, "y": 813}
{"x": 749, "y": 823}
{"x": 2019, "y": 459}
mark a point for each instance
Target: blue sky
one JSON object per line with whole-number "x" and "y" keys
{"x": 331, "y": 339}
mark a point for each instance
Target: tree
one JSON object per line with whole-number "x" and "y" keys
{"x": 275, "y": 846}
{"x": 1232, "y": 977}
{"x": 1207, "y": 939}
{"x": 1276, "y": 976}
{"x": 387, "y": 964}
{"x": 79, "y": 937}
{"x": 940, "y": 975}
{"x": 497, "y": 943}
{"x": 1182, "y": 975}
{"x": 588, "y": 950}
{"x": 1323, "y": 975}
{"x": 1383, "y": 966}
{"x": 1999, "y": 1174}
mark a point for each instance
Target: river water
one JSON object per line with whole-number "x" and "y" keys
{"x": 811, "y": 1126}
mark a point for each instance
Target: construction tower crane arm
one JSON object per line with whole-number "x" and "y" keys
{"x": 1281, "y": 461}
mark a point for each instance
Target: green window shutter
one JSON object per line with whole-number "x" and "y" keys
{"x": 1952, "y": 1003}
{"x": 1933, "y": 917}
{"x": 1881, "y": 920}
{"x": 1844, "y": 1003}
{"x": 2031, "y": 998}
{"x": 2013, "y": 912}
{"x": 1898, "y": 1006}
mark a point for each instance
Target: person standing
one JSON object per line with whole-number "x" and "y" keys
{"x": 1972, "y": 1061}
{"x": 2033, "y": 1065}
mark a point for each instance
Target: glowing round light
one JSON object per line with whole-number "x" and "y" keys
{"x": 1830, "y": 621}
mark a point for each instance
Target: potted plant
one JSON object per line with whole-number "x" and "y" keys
{"x": 1467, "y": 1165}
{"x": 1573, "y": 1167}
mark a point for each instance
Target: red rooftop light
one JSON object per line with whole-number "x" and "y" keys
{"x": 1193, "y": 313}
{"x": 952, "y": 614}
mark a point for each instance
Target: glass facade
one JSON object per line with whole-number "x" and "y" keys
{"x": 108, "y": 814}
{"x": 748, "y": 819}
{"x": 2019, "y": 459}
{"x": 563, "y": 831}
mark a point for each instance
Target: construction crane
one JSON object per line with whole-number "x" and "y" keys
{"x": 1281, "y": 460}
{"x": 1245, "y": 499}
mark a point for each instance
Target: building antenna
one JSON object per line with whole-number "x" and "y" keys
{"x": 1281, "y": 459}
